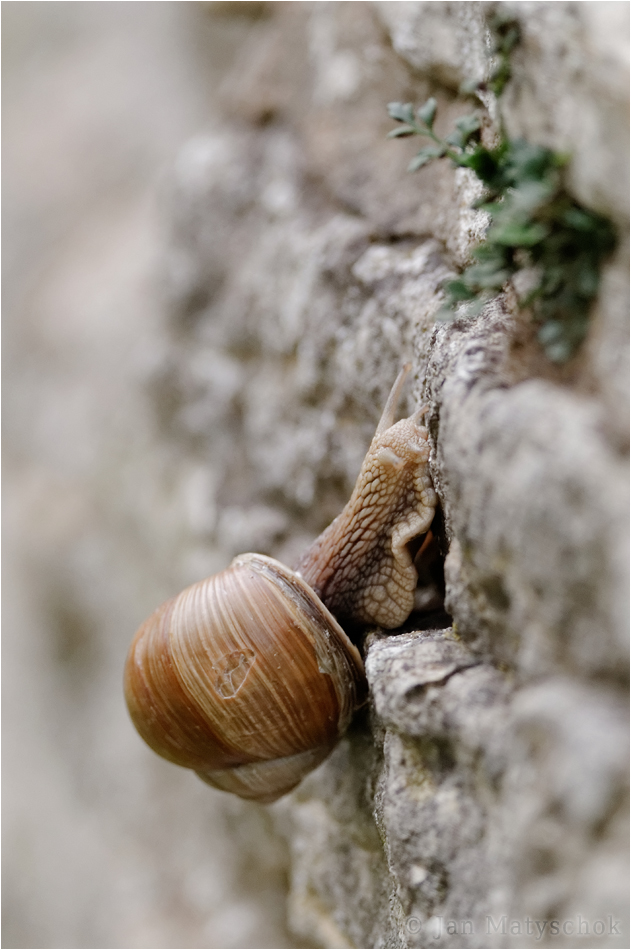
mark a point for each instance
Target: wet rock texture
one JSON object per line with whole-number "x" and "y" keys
{"x": 480, "y": 800}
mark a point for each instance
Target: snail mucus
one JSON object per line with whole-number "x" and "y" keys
{"x": 248, "y": 677}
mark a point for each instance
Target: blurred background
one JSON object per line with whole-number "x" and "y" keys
{"x": 103, "y": 846}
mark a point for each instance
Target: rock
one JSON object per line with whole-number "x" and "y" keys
{"x": 447, "y": 43}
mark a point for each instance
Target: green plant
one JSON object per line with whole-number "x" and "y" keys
{"x": 534, "y": 225}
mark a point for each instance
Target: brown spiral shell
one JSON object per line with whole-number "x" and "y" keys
{"x": 245, "y": 677}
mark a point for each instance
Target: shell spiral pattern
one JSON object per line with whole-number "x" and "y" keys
{"x": 244, "y": 677}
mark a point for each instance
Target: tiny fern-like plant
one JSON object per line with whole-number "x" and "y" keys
{"x": 535, "y": 227}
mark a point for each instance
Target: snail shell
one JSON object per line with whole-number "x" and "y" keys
{"x": 259, "y": 703}
{"x": 247, "y": 677}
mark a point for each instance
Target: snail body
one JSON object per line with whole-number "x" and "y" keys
{"x": 247, "y": 677}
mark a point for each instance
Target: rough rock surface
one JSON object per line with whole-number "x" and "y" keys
{"x": 481, "y": 798}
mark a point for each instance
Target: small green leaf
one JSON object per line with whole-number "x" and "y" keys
{"x": 466, "y": 127}
{"x": 468, "y": 124}
{"x": 427, "y": 113}
{"x": 518, "y": 235}
{"x": 426, "y": 155}
{"x": 524, "y": 160}
{"x": 483, "y": 163}
{"x": 492, "y": 255}
{"x": 401, "y": 132}
{"x": 458, "y": 290}
{"x": 578, "y": 219}
{"x": 401, "y": 112}
{"x": 418, "y": 161}
{"x": 531, "y": 195}
{"x": 456, "y": 138}
{"x": 479, "y": 278}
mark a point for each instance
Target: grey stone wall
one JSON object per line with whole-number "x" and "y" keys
{"x": 482, "y": 795}
{"x": 487, "y": 785}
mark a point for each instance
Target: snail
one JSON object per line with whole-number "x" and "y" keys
{"x": 247, "y": 677}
